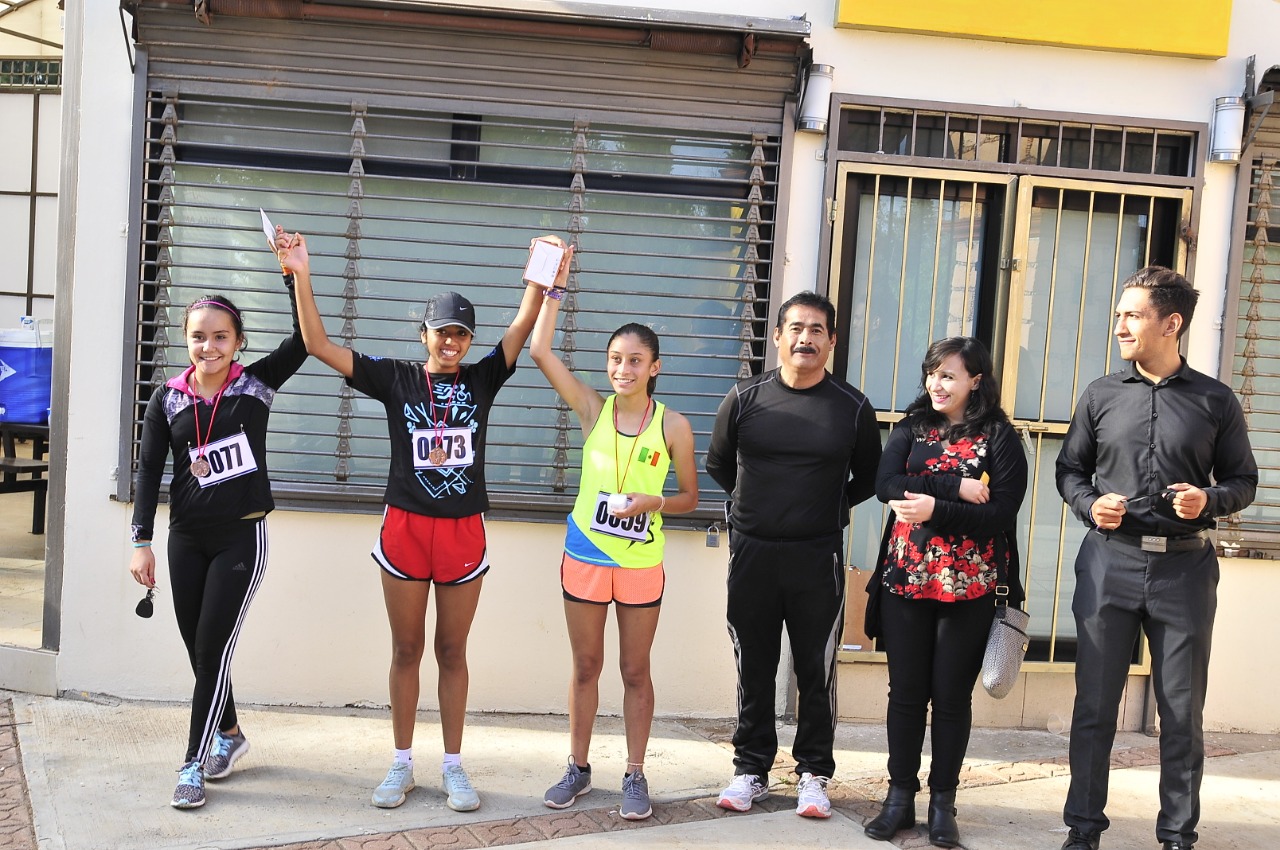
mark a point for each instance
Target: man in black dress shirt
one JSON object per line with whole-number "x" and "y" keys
{"x": 797, "y": 448}
{"x": 1154, "y": 453}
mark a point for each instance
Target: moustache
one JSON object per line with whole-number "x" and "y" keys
{"x": 805, "y": 349}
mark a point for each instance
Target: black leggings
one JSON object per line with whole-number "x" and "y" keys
{"x": 214, "y": 573}
{"x": 935, "y": 654}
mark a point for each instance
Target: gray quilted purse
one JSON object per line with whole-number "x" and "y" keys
{"x": 1006, "y": 647}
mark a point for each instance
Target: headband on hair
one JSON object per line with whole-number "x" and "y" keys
{"x": 210, "y": 303}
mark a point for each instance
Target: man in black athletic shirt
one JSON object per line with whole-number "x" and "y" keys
{"x": 796, "y": 448}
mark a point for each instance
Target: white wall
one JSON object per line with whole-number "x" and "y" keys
{"x": 317, "y": 632}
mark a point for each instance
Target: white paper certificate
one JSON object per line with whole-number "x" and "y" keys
{"x": 268, "y": 228}
{"x": 544, "y": 263}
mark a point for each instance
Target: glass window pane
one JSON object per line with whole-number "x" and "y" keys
{"x": 962, "y": 137}
{"x": 896, "y": 135}
{"x": 996, "y": 140}
{"x": 1138, "y": 148}
{"x": 1039, "y": 144}
{"x": 859, "y": 130}
{"x": 919, "y": 286}
{"x": 931, "y": 138}
{"x": 1107, "y": 148}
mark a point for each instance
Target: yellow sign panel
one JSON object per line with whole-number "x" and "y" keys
{"x": 1196, "y": 28}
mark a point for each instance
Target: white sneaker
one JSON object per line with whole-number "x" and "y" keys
{"x": 462, "y": 797}
{"x": 399, "y": 782}
{"x": 744, "y": 790}
{"x": 811, "y": 796}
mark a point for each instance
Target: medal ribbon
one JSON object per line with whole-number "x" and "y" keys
{"x": 195, "y": 408}
{"x": 438, "y": 428}
{"x": 634, "y": 442}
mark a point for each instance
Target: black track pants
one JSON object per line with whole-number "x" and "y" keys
{"x": 215, "y": 573}
{"x": 799, "y": 585}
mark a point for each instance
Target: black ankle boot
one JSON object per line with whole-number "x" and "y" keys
{"x": 943, "y": 831}
{"x": 898, "y": 812}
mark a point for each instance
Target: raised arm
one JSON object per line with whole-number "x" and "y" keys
{"x": 281, "y": 364}
{"x": 585, "y": 402}
{"x": 518, "y": 332}
{"x": 292, "y": 253}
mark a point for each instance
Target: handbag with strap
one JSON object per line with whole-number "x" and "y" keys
{"x": 1008, "y": 640}
{"x": 1006, "y": 646}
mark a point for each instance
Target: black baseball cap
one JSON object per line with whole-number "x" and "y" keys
{"x": 449, "y": 308}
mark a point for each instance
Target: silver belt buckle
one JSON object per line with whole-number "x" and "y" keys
{"x": 1152, "y": 543}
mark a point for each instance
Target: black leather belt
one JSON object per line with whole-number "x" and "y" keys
{"x": 1155, "y": 543}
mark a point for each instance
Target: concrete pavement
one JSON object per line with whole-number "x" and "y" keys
{"x": 100, "y": 772}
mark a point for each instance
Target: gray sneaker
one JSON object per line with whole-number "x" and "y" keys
{"x": 571, "y": 786}
{"x": 635, "y": 797}
{"x": 227, "y": 750}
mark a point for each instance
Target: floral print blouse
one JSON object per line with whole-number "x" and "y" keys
{"x": 921, "y": 562}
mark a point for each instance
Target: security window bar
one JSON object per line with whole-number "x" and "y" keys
{"x": 30, "y": 73}
{"x": 674, "y": 228}
{"x": 1015, "y": 141}
{"x": 922, "y": 253}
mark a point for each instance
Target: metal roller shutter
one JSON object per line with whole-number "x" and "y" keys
{"x": 421, "y": 159}
{"x": 561, "y": 72}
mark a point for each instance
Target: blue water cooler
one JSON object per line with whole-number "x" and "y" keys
{"x": 26, "y": 372}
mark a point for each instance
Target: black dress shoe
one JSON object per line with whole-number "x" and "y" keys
{"x": 1178, "y": 845}
{"x": 1080, "y": 841}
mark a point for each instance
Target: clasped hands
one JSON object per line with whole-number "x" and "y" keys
{"x": 291, "y": 251}
{"x": 1188, "y": 502}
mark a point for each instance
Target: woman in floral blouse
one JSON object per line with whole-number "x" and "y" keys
{"x": 954, "y": 474}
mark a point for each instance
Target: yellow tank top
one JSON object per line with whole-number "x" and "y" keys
{"x": 616, "y": 463}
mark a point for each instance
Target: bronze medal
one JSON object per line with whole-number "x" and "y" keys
{"x": 438, "y": 455}
{"x": 200, "y": 468}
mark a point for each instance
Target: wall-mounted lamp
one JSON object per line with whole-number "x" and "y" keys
{"x": 816, "y": 103}
{"x": 1227, "y": 130}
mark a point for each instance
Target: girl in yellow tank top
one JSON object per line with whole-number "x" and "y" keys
{"x": 614, "y": 542}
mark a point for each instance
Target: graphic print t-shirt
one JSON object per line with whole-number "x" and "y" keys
{"x": 401, "y": 385}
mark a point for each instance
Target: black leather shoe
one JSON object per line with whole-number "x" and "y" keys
{"x": 1178, "y": 845}
{"x": 943, "y": 831}
{"x": 897, "y": 813}
{"x": 1080, "y": 841}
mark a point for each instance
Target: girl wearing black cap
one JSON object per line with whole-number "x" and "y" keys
{"x": 433, "y": 525}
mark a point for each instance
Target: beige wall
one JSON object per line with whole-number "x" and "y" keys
{"x": 317, "y": 633}
{"x": 41, "y": 19}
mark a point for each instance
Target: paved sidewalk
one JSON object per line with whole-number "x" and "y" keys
{"x": 100, "y": 773}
